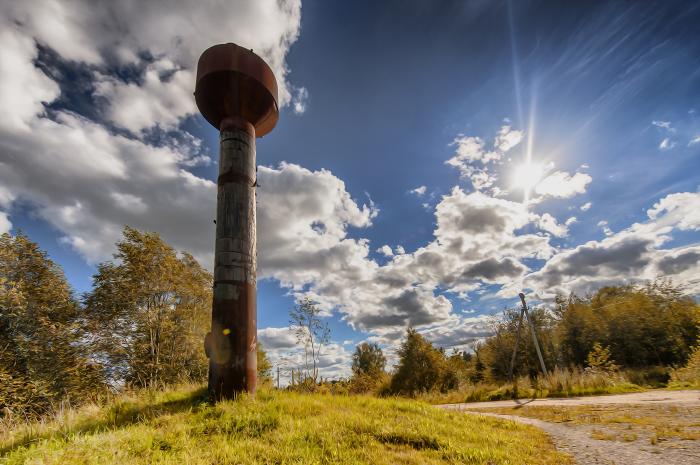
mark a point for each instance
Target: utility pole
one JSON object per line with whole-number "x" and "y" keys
{"x": 525, "y": 313}
{"x": 278, "y": 377}
{"x": 236, "y": 92}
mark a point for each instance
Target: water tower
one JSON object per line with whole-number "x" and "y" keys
{"x": 236, "y": 92}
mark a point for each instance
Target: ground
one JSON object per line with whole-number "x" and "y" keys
{"x": 654, "y": 427}
{"x": 277, "y": 427}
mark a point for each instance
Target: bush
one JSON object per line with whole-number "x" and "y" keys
{"x": 689, "y": 375}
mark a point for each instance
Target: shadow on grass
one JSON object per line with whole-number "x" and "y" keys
{"x": 117, "y": 416}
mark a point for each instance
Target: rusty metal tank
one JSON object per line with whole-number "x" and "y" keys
{"x": 236, "y": 92}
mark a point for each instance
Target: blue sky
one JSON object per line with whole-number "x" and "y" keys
{"x": 491, "y": 146}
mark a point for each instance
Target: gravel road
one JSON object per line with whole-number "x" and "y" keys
{"x": 576, "y": 440}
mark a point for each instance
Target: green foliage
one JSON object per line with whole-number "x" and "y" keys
{"x": 177, "y": 426}
{"x": 264, "y": 367}
{"x": 368, "y": 359}
{"x": 689, "y": 375}
{"x": 637, "y": 327}
{"x": 149, "y": 311}
{"x": 496, "y": 351}
{"x": 368, "y": 364}
{"x": 642, "y": 326}
{"x": 43, "y": 357}
{"x": 421, "y": 367}
{"x": 600, "y": 361}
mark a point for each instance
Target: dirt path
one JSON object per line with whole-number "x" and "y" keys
{"x": 576, "y": 440}
{"x": 688, "y": 397}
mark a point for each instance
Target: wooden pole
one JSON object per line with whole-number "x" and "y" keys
{"x": 515, "y": 346}
{"x": 534, "y": 334}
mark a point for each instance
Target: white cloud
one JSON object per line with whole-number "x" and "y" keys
{"x": 603, "y": 224}
{"x": 400, "y": 250}
{"x": 663, "y": 125}
{"x": 386, "y": 251}
{"x": 5, "y": 224}
{"x": 300, "y": 99}
{"x": 694, "y": 140}
{"x": 547, "y": 222}
{"x": 282, "y": 350}
{"x": 635, "y": 254}
{"x": 108, "y": 34}
{"x": 470, "y": 149}
{"x": 666, "y": 144}
{"x": 100, "y": 180}
{"x": 571, "y": 221}
{"x": 419, "y": 191}
{"x": 561, "y": 184}
{"x": 586, "y": 206}
{"x": 476, "y": 163}
{"x": 154, "y": 101}
{"x": 23, "y": 87}
{"x": 507, "y": 138}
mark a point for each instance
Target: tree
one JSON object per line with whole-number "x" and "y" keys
{"x": 599, "y": 360}
{"x": 43, "y": 355}
{"x": 642, "y": 326}
{"x": 368, "y": 364}
{"x": 311, "y": 333}
{"x": 368, "y": 359}
{"x": 421, "y": 366}
{"x": 264, "y": 367}
{"x": 149, "y": 312}
{"x": 496, "y": 352}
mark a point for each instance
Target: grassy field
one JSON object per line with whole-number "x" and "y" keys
{"x": 179, "y": 427}
{"x": 654, "y": 424}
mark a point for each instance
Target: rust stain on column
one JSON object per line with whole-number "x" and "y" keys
{"x": 237, "y": 93}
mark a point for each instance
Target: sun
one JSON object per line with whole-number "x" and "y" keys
{"x": 527, "y": 175}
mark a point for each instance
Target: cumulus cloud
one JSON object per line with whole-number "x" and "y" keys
{"x": 561, "y": 184}
{"x": 634, "y": 254}
{"x": 5, "y": 224}
{"x": 156, "y": 100}
{"x": 162, "y": 38}
{"x": 586, "y": 206}
{"x": 472, "y": 157}
{"x": 284, "y": 352}
{"x": 507, "y": 138}
{"x": 385, "y": 250}
{"x": 547, "y": 222}
{"x": 24, "y": 87}
{"x": 83, "y": 178}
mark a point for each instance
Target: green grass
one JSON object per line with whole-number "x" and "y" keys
{"x": 180, "y": 427}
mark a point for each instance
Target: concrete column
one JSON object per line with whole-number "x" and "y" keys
{"x": 231, "y": 345}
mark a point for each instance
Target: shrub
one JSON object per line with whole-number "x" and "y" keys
{"x": 689, "y": 375}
